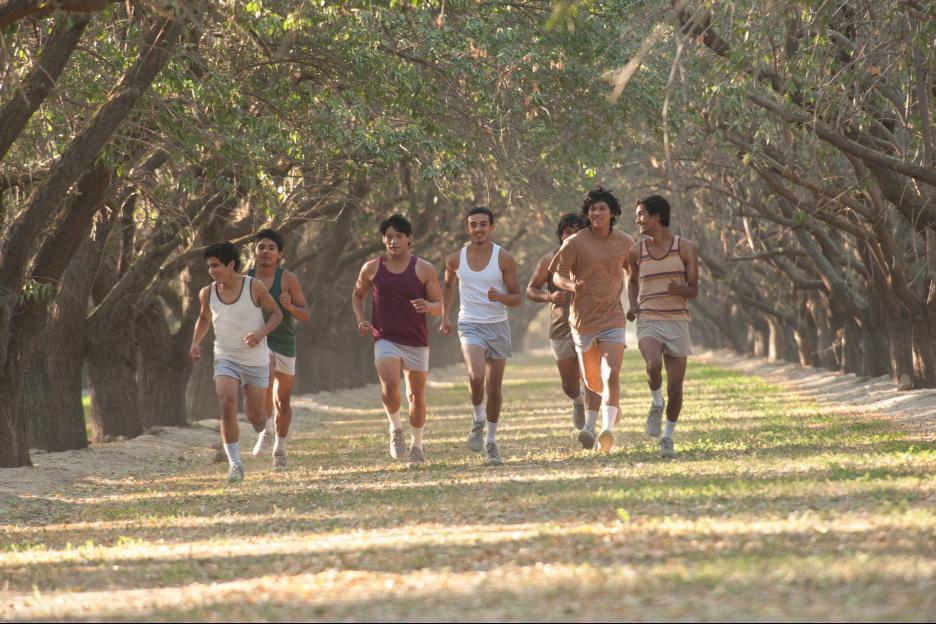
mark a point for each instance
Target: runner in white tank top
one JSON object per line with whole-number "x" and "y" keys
{"x": 473, "y": 287}
{"x": 235, "y": 305}
{"x": 488, "y": 286}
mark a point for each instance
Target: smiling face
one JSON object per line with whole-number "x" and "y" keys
{"x": 599, "y": 215}
{"x": 647, "y": 224}
{"x": 479, "y": 229}
{"x": 267, "y": 252}
{"x": 397, "y": 243}
{"x": 219, "y": 272}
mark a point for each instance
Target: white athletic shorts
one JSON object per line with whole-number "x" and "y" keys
{"x": 584, "y": 342}
{"x": 280, "y": 363}
{"x": 562, "y": 348}
{"x": 256, "y": 376}
{"x": 673, "y": 335}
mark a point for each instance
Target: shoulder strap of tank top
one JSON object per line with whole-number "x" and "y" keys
{"x": 495, "y": 254}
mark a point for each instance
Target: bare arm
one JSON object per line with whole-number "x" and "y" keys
{"x": 293, "y": 299}
{"x": 690, "y": 256}
{"x": 361, "y": 288}
{"x": 535, "y": 292}
{"x": 508, "y": 267}
{"x": 561, "y": 267}
{"x": 202, "y": 324}
{"x": 633, "y": 281}
{"x": 432, "y": 304}
{"x": 448, "y": 292}
{"x": 269, "y": 307}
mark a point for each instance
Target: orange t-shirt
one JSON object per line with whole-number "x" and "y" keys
{"x": 598, "y": 262}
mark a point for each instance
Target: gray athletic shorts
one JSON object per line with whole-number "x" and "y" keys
{"x": 674, "y": 335}
{"x": 494, "y": 337}
{"x": 562, "y": 348}
{"x": 584, "y": 342}
{"x": 413, "y": 358}
{"x": 257, "y": 376}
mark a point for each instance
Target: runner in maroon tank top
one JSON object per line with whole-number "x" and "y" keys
{"x": 406, "y": 288}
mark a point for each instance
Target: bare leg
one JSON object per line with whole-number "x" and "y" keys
{"x": 227, "y": 388}
{"x": 474, "y": 364}
{"x": 254, "y": 400}
{"x": 284, "y": 386}
{"x": 675, "y": 374}
{"x": 571, "y": 377}
{"x": 416, "y": 393}
{"x": 652, "y": 351}
{"x": 494, "y": 374}
{"x": 388, "y": 370}
{"x": 612, "y": 354}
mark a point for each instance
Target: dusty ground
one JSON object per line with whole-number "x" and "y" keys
{"x": 779, "y": 506}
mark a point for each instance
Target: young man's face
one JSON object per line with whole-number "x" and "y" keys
{"x": 646, "y": 223}
{"x": 479, "y": 228}
{"x": 267, "y": 252}
{"x": 568, "y": 231}
{"x": 218, "y": 271}
{"x": 599, "y": 215}
{"x": 397, "y": 243}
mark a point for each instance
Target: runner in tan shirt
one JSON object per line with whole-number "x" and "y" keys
{"x": 664, "y": 275}
{"x": 590, "y": 264}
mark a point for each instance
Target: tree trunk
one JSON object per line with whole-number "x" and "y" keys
{"x": 826, "y": 338}
{"x": 851, "y": 347}
{"x": 14, "y": 441}
{"x": 201, "y": 402}
{"x": 161, "y": 388}
{"x": 52, "y": 397}
{"x": 112, "y": 359}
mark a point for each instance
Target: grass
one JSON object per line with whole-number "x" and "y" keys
{"x": 776, "y": 508}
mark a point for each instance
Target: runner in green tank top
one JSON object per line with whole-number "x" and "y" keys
{"x": 286, "y": 291}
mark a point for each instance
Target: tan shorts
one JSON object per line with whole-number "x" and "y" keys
{"x": 562, "y": 348}
{"x": 280, "y": 363}
{"x": 674, "y": 335}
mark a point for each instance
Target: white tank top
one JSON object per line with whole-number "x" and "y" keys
{"x": 233, "y": 321}
{"x": 475, "y": 306}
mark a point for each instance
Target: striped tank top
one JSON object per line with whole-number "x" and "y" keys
{"x": 653, "y": 301}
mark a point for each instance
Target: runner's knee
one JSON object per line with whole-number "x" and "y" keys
{"x": 572, "y": 389}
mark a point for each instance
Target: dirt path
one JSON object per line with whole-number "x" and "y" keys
{"x": 778, "y": 507}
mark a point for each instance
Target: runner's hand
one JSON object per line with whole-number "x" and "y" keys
{"x": 285, "y": 299}
{"x": 252, "y": 339}
{"x": 674, "y": 287}
{"x": 579, "y": 286}
{"x": 365, "y": 328}
{"x": 493, "y": 294}
{"x": 446, "y": 327}
{"x": 559, "y": 297}
{"x": 420, "y": 305}
{"x": 195, "y": 353}
{"x": 631, "y": 314}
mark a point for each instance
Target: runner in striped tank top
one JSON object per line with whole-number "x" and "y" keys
{"x": 664, "y": 275}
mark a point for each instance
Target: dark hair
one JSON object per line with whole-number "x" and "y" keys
{"x": 481, "y": 210}
{"x": 656, "y": 205}
{"x": 569, "y": 219}
{"x": 399, "y": 223}
{"x": 600, "y": 194}
{"x": 273, "y": 235}
{"x": 225, "y": 252}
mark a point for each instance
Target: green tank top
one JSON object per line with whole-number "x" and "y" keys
{"x": 282, "y": 340}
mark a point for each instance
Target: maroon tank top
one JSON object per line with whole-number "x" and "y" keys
{"x": 394, "y": 317}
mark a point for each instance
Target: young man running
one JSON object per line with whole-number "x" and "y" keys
{"x": 235, "y": 306}
{"x": 285, "y": 289}
{"x": 406, "y": 288}
{"x": 487, "y": 279}
{"x": 590, "y": 264}
{"x": 560, "y": 334}
{"x": 664, "y": 275}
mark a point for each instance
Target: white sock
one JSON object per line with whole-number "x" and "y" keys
{"x": 657, "y": 396}
{"x": 233, "y": 453}
{"x": 280, "y": 447}
{"x": 580, "y": 399}
{"x": 395, "y": 422}
{"x": 608, "y": 416}
{"x": 591, "y": 417}
{"x": 479, "y": 415}
{"x": 491, "y": 432}
{"x": 269, "y": 425}
{"x": 417, "y": 436}
{"x": 668, "y": 429}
